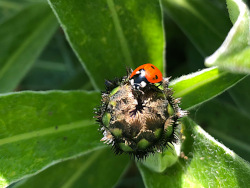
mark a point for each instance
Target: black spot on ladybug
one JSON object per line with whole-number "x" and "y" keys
{"x": 156, "y": 77}
{"x": 152, "y": 67}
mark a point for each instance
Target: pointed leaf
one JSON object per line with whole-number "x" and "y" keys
{"x": 41, "y": 128}
{"x": 109, "y": 35}
{"x": 203, "y": 85}
{"x": 207, "y": 163}
{"x": 234, "y": 53}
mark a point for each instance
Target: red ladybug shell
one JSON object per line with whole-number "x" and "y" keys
{"x": 152, "y": 73}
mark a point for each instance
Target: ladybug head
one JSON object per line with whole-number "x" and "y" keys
{"x": 139, "y": 81}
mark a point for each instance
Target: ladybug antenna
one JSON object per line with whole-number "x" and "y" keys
{"x": 129, "y": 70}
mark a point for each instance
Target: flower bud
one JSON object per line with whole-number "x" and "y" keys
{"x": 138, "y": 122}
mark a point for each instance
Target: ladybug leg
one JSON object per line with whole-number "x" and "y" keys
{"x": 141, "y": 92}
{"x": 138, "y": 90}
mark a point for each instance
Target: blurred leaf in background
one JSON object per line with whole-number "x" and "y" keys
{"x": 22, "y": 39}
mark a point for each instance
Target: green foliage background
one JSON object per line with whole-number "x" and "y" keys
{"x": 55, "y": 56}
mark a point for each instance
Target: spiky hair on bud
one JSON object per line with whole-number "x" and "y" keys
{"x": 138, "y": 122}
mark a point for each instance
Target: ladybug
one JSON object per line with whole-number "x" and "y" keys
{"x": 144, "y": 74}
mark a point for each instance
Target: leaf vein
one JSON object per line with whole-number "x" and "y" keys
{"x": 120, "y": 34}
{"x": 46, "y": 131}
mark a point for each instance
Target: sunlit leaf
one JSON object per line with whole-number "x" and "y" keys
{"x": 109, "y": 35}
{"x": 203, "y": 85}
{"x": 205, "y": 163}
{"x": 39, "y": 129}
{"x": 234, "y": 53}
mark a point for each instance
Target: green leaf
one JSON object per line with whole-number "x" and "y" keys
{"x": 9, "y": 8}
{"x": 233, "y": 10}
{"x": 159, "y": 161}
{"x": 233, "y": 131}
{"x": 205, "y": 22}
{"x": 98, "y": 169}
{"x": 207, "y": 163}
{"x": 234, "y": 53}
{"x": 109, "y": 35}
{"x": 240, "y": 95}
{"x": 203, "y": 85}
{"x": 22, "y": 38}
{"x": 41, "y": 128}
